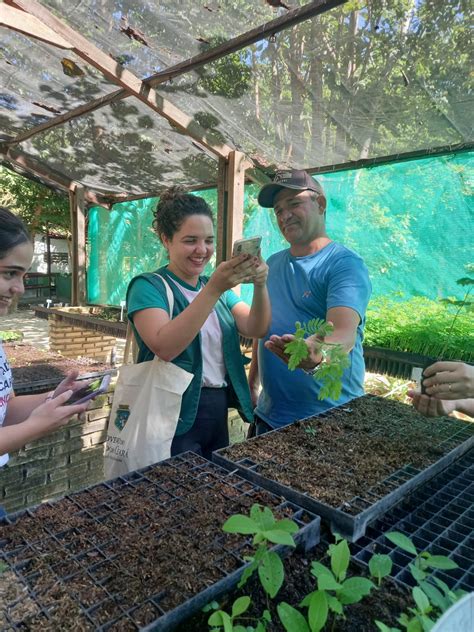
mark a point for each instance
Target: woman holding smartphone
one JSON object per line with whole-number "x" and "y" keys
{"x": 202, "y": 336}
{"x": 28, "y": 417}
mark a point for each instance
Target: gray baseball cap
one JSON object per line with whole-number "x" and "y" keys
{"x": 287, "y": 179}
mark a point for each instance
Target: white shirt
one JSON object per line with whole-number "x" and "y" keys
{"x": 6, "y": 389}
{"x": 213, "y": 367}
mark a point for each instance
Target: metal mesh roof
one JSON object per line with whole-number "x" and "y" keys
{"x": 361, "y": 81}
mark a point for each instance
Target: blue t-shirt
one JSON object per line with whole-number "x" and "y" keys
{"x": 302, "y": 288}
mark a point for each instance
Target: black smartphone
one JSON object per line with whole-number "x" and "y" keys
{"x": 95, "y": 388}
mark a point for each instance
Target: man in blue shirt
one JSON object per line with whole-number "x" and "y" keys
{"x": 315, "y": 278}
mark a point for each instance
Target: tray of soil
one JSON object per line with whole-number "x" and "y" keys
{"x": 142, "y": 550}
{"x": 353, "y": 463}
{"x": 439, "y": 517}
{"x": 36, "y": 371}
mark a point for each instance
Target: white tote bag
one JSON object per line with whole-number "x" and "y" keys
{"x": 145, "y": 412}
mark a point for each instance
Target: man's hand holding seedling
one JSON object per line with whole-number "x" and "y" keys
{"x": 313, "y": 352}
{"x": 297, "y": 351}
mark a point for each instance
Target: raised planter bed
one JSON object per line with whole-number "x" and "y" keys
{"x": 142, "y": 550}
{"x": 82, "y": 317}
{"x": 37, "y": 371}
{"x": 438, "y": 517}
{"x": 353, "y": 463}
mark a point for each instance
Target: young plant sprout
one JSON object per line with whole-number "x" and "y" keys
{"x": 335, "y": 358}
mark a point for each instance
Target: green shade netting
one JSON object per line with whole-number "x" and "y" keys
{"x": 412, "y": 222}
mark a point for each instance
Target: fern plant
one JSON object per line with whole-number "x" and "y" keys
{"x": 335, "y": 358}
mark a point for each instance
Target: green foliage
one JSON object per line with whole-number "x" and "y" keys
{"x": 420, "y": 325}
{"x": 229, "y": 76}
{"x": 10, "y": 336}
{"x": 431, "y": 596}
{"x": 380, "y": 566}
{"x": 334, "y": 591}
{"x": 266, "y": 530}
{"x": 38, "y": 206}
{"x": 335, "y": 359}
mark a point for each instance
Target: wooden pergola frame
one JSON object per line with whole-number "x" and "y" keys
{"x": 31, "y": 18}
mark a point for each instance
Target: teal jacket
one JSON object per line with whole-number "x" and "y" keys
{"x": 191, "y": 359}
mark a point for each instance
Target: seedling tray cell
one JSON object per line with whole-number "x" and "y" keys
{"x": 353, "y": 463}
{"x": 140, "y": 552}
{"x": 438, "y": 517}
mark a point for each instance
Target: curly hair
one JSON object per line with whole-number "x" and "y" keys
{"x": 13, "y": 231}
{"x": 174, "y": 206}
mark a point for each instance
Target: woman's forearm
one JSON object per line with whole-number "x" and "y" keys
{"x": 20, "y": 407}
{"x": 176, "y": 335}
{"x": 259, "y": 316}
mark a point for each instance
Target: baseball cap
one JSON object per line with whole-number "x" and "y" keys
{"x": 287, "y": 179}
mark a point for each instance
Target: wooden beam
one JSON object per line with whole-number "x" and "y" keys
{"x": 78, "y": 230}
{"x": 127, "y": 80}
{"x": 29, "y": 25}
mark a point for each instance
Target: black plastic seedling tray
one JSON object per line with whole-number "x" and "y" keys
{"x": 439, "y": 518}
{"x": 351, "y": 517}
{"x": 111, "y": 557}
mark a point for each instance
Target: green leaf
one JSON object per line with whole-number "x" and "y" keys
{"x": 287, "y": 525}
{"x": 380, "y": 565}
{"x": 222, "y": 619}
{"x": 334, "y": 604}
{"x": 262, "y": 517}
{"x": 435, "y": 596}
{"x": 421, "y": 600}
{"x": 441, "y": 561}
{"x": 213, "y": 605}
{"x": 402, "y": 541}
{"x": 297, "y": 350}
{"x": 328, "y": 582}
{"x": 247, "y": 573}
{"x": 291, "y": 619}
{"x": 240, "y": 524}
{"x": 318, "y": 611}
{"x": 340, "y": 557}
{"x": 278, "y": 536}
{"x": 417, "y": 573}
{"x": 240, "y": 606}
{"x": 271, "y": 573}
{"x": 354, "y": 589}
{"x": 266, "y": 616}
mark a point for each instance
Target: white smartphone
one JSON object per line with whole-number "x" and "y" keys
{"x": 250, "y": 246}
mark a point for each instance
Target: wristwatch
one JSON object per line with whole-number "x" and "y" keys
{"x": 314, "y": 370}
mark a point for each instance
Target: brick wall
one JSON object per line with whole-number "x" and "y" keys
{"x": 67, "y": 460}
{"x": 74, "y": 341}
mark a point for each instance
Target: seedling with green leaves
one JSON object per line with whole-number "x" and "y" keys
{"x": 334, "y": 590}
{"x": 335, "y": 358}
{"x": 221, "y": 620}
{"x": 432, "y": 596}
{"x": 266, "y": 531}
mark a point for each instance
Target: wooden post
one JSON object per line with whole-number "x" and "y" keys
{"x": 230, "y": 203}
{"x": 78, "y": 230}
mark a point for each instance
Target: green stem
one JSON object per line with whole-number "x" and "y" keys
{"x": 448, "y": 339}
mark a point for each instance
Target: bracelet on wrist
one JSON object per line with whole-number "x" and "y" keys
{"x": 314, "y": 370}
